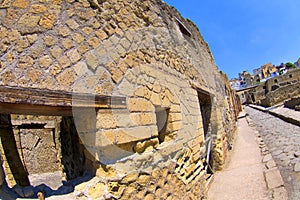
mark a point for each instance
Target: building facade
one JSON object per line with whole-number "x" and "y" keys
{"x": 125, "y": 91}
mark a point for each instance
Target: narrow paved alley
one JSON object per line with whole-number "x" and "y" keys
{"x": 243, "y": 175}
{"x": 283, "y": 142}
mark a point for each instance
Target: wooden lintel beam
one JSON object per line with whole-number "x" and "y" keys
{"x": 17, "y": 100}
{"x": 29, "y": 109}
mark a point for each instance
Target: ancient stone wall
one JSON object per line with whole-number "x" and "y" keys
{"x": 144, "y": 51}
{"x": 276, "y": 90}
{"x": 293, "y": 103}
{"x": 224, "y": 141}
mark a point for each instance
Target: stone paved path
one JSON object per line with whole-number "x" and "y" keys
{"x": 283, "y": 141}
{"x": 243, "y": 176}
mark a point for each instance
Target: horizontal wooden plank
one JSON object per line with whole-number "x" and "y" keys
{"x": 27, "y": 109}
{"x": 17, "y": 100}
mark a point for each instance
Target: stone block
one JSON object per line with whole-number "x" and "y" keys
{"x": 93, "y": 42}
{"x": 297, "y": 167}
{"x": 142, "y": 119}
{"x": 280, "y": 194}
{"x": 117, "y": 75}
{"x": 140, "y": 105}
{"x": 21, "y": 45}
{"x": 72, "y": 24}
{"x": 63, "y": 31}
{"x": 266, "y": 158}
{"x": 122, "y": 118}
{"x": 149, "y": 197}
{"x": 25, "y": 62}
{"x": 73, "y": 55}
{"x": 106, "y": 120}
{"x": 175, "y": 108}
{"x": 56, "y": 51}
{"x": 83, "y": 48}
{"x": 270, "y": 164}
{"x": 143, "y": 179}
{"x": 87, "y": 30}
{"x": 175, "y": 117}
{"x": 45, "y": 61}
{"x": 129, "y": 192}
{"x": 132, "y": 177}
{"x": 156, "y": 173}
{"x": 123, "y": 137}
{"x": 125, "y": 43}
{"x": 66, "y": 78}
{"x": 28, "y": 23}
{"x": 140, "y": 91}
{"x": 147, "y": 145}
{"x": 97, "y": 191}
{"x": 34, "y": 75}
{"x": 101, "y": 34}
{"x": 81, "y": 68}
{"x": 273, "y": 178}
{"x": 50, "y": 40}
{"x": 116, "y": 189}
{"x": 92, "y": 60}
{"x": 37, "y": 8}
{"x": 174, "y": 126}
{"x": 132, "y": 134}
{"x": 105, "y": 172}
{"x": 67, "y": 43}
{"x": 78, "y": 38}
{"x": 125, "y": 87}
{"x": 64, "y": 61}
{"x": 47, "y": 21}
{"x": 155, "y": 99}
{"x": 21, "y": 4}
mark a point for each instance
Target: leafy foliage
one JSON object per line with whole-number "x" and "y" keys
{"x": 290, "y": 65}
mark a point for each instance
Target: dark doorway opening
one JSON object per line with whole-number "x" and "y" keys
{"x": 48, "y": 149}
{"x": 206, "y": 109}
{"x": 34, "y": 134}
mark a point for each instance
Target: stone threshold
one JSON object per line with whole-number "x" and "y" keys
{"x": 273, "y": 178}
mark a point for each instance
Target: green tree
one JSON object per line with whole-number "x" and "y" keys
{"x": 290, "y": 65}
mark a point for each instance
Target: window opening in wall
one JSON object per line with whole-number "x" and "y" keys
{"x": 184, "y": 30}
{"x": 274, "y": 87}
{"x": 291, "y": 76}
{"x": 275, "y": 81}
{"x": 162, "y": 117}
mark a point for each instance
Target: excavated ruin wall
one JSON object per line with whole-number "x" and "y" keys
{"x": 143, "y": 50}
{"x": 276, "y": 90}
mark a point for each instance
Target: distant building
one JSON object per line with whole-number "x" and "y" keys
{"x": 260, "y": 75}
{"x": 257, "y": 75}
{"x": 268, "y": 70}
{"x": 246, "y": 79}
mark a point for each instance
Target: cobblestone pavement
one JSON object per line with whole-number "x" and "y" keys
{"x": 283, "y": 141}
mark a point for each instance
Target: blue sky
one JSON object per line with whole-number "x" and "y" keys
{"x": 243, "y": 35}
